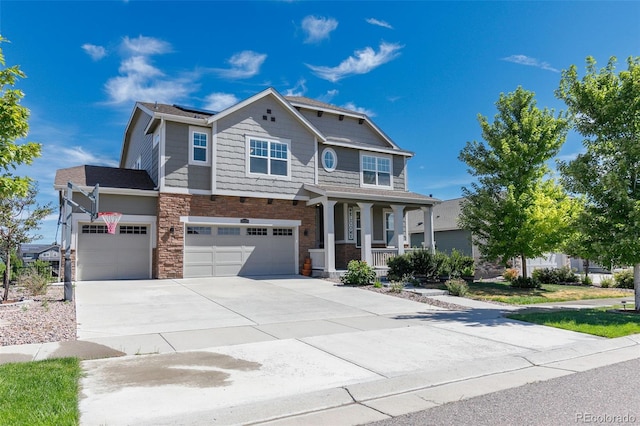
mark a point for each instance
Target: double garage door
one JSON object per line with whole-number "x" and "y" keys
{"x": 123, "y": 255}
{"x": 238, "y": 250}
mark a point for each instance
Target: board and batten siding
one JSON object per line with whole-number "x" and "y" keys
{"x": 231, "y": 155}
{"x": 347, "y": 172}
{"x": 178, "y": 172}
{"x": 347, "y": 130}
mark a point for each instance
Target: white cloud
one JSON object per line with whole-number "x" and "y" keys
{"x": 351, "y": 106}
{"x": 77, "y": 155}
{"x": 145, "y": 46}
{"x": 140, "y": 80}
{"x": 244, "y": 64}
{"x": 374, "y": 21}
{"x": 299, "y": 89}
{"x": 528, "y": 61}
{"x": 317, "y": 29}
{"x": 220, "y": 101}
{"x": 96, "y": 52}
{"x": 363, "y": 61}
{"x": 327, "y": 97}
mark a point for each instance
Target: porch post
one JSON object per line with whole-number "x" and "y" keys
{"x": 428, "y": 228}
{"x": 366, "y": 230}
{"x": 328, "y": 208}
{"x": 398, "y": 227}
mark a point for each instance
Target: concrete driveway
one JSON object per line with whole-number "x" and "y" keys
{"x": 239, "y": 350}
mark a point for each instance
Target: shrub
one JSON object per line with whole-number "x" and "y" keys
{"x": 525, "y": 282}
{"x": 457, "y": 287}
{"x": 624, "y": 279}
{"x": 377, "y": 284}
{"x": 443, "y": 266}
{"x": 586, "y": 280}
{"x": 555, "y": 275}
{"x": 510, "y": 274}
{"x": 606, "y": 282}
{"x": 399, "y": 266}
{"x": 397, "y": 286}
{"x": 358, "y": 273}
{"x": 423, "y": 263}
{"x": 33, "y": 282}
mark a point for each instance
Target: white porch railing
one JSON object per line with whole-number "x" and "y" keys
{"x": 317, "y": 258}
{"x": 381, "y": 255}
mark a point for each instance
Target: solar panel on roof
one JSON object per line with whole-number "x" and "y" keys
{"x": 194, "y": 109}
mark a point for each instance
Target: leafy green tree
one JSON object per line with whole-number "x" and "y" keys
{"x": 13, "y": 126}
{"x": 513, "y": 211}
{"x": 605, "y": 105}
{"x": 20, "y": 216}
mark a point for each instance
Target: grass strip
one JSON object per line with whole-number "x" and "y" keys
{"x": 40, "y": 393}
{"x": 504, "y": 293}
{"x": 599, "y": 322}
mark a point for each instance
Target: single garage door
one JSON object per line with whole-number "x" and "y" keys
{"x": 234, "y": 250}
{"x": 123, "y": 255}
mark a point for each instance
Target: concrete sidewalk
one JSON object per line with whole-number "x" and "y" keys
{"x": 298, "y": 351}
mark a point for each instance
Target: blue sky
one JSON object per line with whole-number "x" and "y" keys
{"x": 423, "y": 71}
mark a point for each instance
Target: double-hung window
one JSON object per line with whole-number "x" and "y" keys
{"x": 376, "y": 171}
{"x": 268, "y": 157}
{"x": 199, "y": 153}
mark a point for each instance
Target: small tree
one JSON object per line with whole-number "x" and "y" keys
{"x": 513, "y": 211}
{"x": 19, "y": 217}
{"x": 13, "y": 126}
{"x": 606, "y": 110}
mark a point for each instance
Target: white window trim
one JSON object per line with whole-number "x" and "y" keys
{"x": 286, "y": 142}
{"x": 335, "y": 159}
{"x": 368, "y": 185}
{"x": 385, "y": 212}
{"x": 204, "y": 130}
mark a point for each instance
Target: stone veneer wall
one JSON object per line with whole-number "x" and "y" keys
{"x": 73, "y": 265}
{"x": 168, "y": 260}
{"x": 346, "y": 253}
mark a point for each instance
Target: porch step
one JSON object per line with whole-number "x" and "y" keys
{"x": 426, "y": 291}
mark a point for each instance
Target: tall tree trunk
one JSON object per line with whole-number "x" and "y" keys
{"x": 7, "y": 276}
{"x": 586, "y": 268}
{"x": 636, "y": 284}
{"x": 523, "y": 259}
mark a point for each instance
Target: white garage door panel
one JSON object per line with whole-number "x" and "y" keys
{"x": 119, "y": 256}
{"x": 240, "y": 254}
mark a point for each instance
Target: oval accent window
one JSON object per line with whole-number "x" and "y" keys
{"x": 329, "y": 159}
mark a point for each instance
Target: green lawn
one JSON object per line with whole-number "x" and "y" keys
{"x": 40, "y": 393}
{"x": 503, "y": 292}
{"x": 599, "y": 322}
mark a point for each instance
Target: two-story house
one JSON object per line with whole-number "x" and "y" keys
{"x": 251, "y": 190}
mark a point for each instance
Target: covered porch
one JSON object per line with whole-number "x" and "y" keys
{"x": 364, "y": 224}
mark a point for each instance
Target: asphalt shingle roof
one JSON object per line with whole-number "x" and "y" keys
{"x": 107, "y": 177}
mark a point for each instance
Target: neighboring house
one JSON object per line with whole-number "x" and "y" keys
{"x": 49, "y": 253}
{"x": 447, "y": 234}
{"x": 252, "y": 190}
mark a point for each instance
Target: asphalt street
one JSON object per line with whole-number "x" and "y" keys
{"x": 606, "y": 395}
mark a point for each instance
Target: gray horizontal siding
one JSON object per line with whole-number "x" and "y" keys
{"x": 178, "y": 172}
{"x": 347, "y": 130}
{"x": 141, "y": 145}
{"x": 231, "y": 148}
{"x": 347, "y": 172}
{"x": 125, "y": 204}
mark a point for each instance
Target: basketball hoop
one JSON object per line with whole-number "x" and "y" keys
{"x": 111, "y": 219}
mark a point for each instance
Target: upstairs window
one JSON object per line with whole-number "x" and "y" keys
{"x": 376, "y": 171}
{"x": 329, "y": 159}
{"x": 199, "y": 146}
{"x": 268, "y": 157}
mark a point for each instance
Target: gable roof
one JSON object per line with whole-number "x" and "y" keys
{"x": 445, "y": 216}
{"x": 274, "y": 93}
{"x": 107, "y": 177}
{"x": 302, "y": 102}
